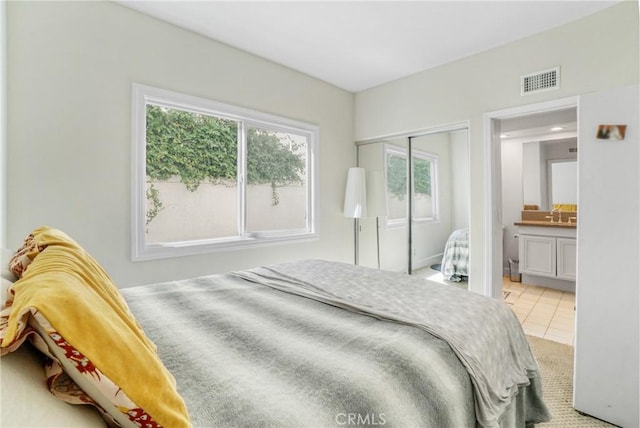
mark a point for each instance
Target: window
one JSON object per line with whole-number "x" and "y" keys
{"x": 396, "y": 180}
{"x": 210, "y": 176}
{"x": 424, "y": 173}
{"x": 425, "y": 207}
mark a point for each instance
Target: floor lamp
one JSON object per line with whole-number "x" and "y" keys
{"x": 355, "y": 202}
{"x": 376, "y": 203}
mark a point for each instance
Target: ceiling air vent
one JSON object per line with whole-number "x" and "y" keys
{"x": 540, "y": 81}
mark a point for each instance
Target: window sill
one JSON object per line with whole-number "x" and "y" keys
{"x": 190, "y": 248}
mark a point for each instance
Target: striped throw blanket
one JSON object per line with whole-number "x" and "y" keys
{"x": 455, "y": 259}
{"x": 276, "y": 347}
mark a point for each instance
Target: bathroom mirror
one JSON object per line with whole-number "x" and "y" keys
{"x": 549, "y": 173}
{"x": 563, "y": 181}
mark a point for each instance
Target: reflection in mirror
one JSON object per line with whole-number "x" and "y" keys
{"x": 563, "y": 179}
{"x": 385, "y": 233}
{"x": 539, "y": 181}
{"x": 395, "y": 168}
{"x": 436, "y": 193}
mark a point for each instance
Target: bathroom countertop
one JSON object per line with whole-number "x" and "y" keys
{"x": 547, "y": 223}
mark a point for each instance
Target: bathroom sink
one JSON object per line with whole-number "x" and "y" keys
{"x": 544, "y": 223}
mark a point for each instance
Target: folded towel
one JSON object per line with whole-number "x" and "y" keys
{"x": 565, "y": 207}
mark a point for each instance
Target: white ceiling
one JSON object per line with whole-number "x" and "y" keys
{"x": 356, "y": 45}
{"x": 547, "y": 126}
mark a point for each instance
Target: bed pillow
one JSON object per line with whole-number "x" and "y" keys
{"x": 69, "y": 300}
{"x": 23, "y": 257}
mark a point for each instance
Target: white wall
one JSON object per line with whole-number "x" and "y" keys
{"x": 178, "y": 220}
{"x": 532, "y": 174}
{"x": 3, "y": 124}
{"x": 70, "y": 70}
{"x": 607, "y": 298}
{"x": 512, "y": 197}
{"x": 459, "y": 144}
{"x": 594, "y": 53}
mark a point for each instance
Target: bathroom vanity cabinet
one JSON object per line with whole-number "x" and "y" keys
{"x": 548, "y": 254}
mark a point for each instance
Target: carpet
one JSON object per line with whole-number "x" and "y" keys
{"x": 556, "y": 364}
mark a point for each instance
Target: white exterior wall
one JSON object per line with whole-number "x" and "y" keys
{"x": 212, "y": 209}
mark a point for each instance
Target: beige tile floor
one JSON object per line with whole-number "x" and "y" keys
{"x": 543, "y": 312}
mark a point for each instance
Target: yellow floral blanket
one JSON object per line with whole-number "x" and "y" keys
{"x": 64, "y": 295}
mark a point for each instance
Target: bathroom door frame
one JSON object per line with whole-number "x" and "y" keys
{"x": 493, "y": 185}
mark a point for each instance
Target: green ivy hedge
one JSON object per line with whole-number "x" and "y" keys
{"x": 198, "y": 148}
{"x": 397, "y": 176}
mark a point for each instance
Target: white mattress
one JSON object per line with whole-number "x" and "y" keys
{"x": 25, "y": 400}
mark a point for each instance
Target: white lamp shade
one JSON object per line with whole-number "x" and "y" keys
{"x": 355, "y": 196}
{"x": 376, "y": 203}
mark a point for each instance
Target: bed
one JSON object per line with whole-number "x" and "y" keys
{"x": 306, "y": 343}
{"x": 455, "y": 259}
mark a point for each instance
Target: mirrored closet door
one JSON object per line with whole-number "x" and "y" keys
{"x": 418, "y": 195}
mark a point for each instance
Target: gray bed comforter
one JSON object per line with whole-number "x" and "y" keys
{"x": 245, "y": 354}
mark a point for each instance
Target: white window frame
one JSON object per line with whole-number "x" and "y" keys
{"x": 141, "y": 250}
{"x": 416, "y": 154}
{"x": 433, "y": 158}
{"x": 392, "y": 149}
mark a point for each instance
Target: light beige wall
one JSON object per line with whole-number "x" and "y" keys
{"x": 459, "y": 178}
{"x": 595, "y": 53}
{"x": 70, "y": 70}
{"x": 3, "y": 123}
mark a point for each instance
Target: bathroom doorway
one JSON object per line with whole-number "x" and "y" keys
{"x": 538, "y": 155}
{"x": 497, "y": 264}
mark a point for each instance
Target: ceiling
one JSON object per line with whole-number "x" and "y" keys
{"x": 356, "y": 45}
{"x": 556, "y": 125}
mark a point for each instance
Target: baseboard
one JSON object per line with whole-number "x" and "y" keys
{"x": 427, "y": 261}
{"x": 558, "y": 284}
